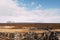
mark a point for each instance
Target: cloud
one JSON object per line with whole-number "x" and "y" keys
{"x": 10, "y": 11}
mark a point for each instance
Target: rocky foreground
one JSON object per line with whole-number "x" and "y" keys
{"x": 26, "y": 34}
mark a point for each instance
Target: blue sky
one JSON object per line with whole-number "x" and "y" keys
{"x": 39, "y": 11}
{"x": 44, "y": 3}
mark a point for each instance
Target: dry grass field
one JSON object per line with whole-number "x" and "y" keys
{"x": 38, "y": 25}
{"x": 21, "y": 30}
{"x": 17, "y": 27}
{"x": 16, "y": 31}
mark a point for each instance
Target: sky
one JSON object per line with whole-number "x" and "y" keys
{"x": 30, "y": 11}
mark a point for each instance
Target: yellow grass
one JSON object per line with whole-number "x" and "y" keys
{"x": 21, "y": 30}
